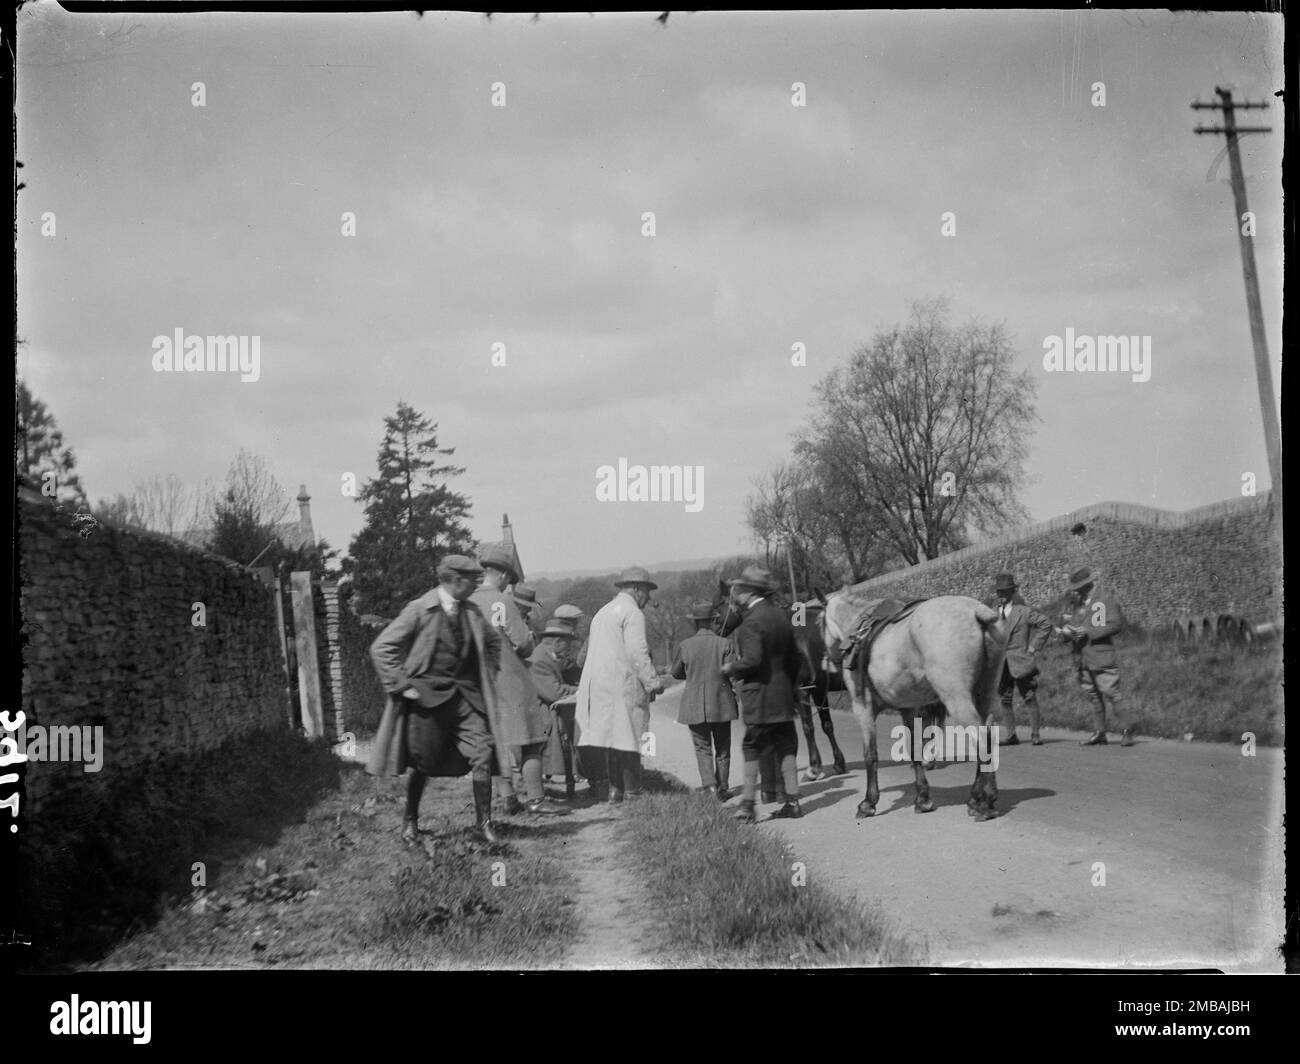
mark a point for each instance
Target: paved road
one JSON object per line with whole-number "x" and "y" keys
{"x": 1190, "y": 836}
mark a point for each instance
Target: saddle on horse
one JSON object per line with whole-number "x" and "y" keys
{"x": 874, "y": 619}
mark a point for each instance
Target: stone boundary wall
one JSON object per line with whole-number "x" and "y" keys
{"x": 1159, "y": 564}
{"x": 107, "y": 617}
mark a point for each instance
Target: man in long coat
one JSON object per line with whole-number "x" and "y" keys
{"x": 1025, "y": 632}
{"x": 438, "y": 661}
{"x": 617, "y": 680}
{"x": 1091, "y": 630}
{"x": 767, "y": 664}
{"x": 526, "y": 721}
{"x": 708, "y": 703}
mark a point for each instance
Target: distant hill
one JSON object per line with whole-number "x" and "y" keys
{"x": 659, "y": 567}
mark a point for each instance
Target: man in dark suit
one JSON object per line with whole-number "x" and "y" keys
{"x": 547, "y": 667}
{"x": 438, "y": 661}
{"x": 767, "y": 664}
{"x": 708, "y": 704}
{"x": 1090, "y": 631}
{"x": 1025, "y": 632}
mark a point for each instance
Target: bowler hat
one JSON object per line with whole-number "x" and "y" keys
{"x": 495, "y": 557}
{"x": 525, "y": 595}
{"x": 1080, "y": 578}
{"x": 1004, "y": 582}
{"x": 633, "y": 576}
{"x": 461, "y": 564}
{"x": 755, "y": 577}
{"x": 702, "y": 611}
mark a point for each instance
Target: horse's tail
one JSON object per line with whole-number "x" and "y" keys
{"x": 992, "y": 653}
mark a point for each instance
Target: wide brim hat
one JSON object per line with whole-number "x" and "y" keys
{"x": 755, "y": 577}
{"x": 1004, "y": 582}
{"x": 1081, "y": 578}
{"x": 461, "y": 563}
{"x": 525, "y": 595}
{"x": 702, "y": 611}
{"x": 635, "y": 576}
{"x": 497, "y": 558}
{"x": 569, "y": 625}
{"x": 558, "y": 627}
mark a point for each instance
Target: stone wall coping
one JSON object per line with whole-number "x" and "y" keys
{"x": 1131, "y": 513}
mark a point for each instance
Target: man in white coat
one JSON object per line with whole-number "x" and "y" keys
{"x": 618, "y": 679}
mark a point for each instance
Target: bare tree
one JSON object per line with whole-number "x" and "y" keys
{"x": 163, "y": 504}
{"x": 925, "y": 428}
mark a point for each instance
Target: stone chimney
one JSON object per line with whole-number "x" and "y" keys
{"x": 305, "y": 529}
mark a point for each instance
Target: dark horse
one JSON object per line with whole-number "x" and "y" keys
{"x": 814, "y": 681}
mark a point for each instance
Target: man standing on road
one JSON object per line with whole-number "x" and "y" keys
{"x": 438, "y": 663}
{"x": 1090, "y": 631}
{"x": 708, "y": 704}
{"x": 1025, "y": 632}
{"x": 767, "y": 664}
{"x": 618, "y": 680}
{"x": 525, "y": 720}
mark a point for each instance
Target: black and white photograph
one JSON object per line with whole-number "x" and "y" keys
{"x": 612, "y": 491}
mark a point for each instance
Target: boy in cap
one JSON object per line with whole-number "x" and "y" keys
{"x": 708, "y": 703}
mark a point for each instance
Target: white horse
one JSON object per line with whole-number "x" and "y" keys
{"x": 946, "y": 651}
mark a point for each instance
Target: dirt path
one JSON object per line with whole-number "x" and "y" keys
{"x": 1189, "y": 835}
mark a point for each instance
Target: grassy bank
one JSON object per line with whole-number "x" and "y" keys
{"x": 1214, "y": 692}
{"x": 724, "y": 896}
{"x": 339, "y": 891}
{"x": 110, "y": 854}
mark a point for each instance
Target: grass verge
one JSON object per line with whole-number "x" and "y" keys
{"x": 725, "y": 896}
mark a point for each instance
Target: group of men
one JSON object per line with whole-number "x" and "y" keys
{"x": 473, "y": 688}
{"x": 1089, "y": 624}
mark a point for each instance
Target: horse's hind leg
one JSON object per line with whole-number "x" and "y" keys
{"x": 983, "y": 795}
{"x": 810, "y": 737}
{"x": 921, "y": 803}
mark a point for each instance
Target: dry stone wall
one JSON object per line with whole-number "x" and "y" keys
{"x": 107, "y": 620}
{"x": 1160, "y": 565}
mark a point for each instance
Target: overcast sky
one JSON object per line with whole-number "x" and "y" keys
{"x": 522, "y": 225}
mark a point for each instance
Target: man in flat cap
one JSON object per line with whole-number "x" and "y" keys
{"x": 1025, "y": 632}
{"x": 767, "y": 664}
{"x": 526, "y": 720}
{"x": 618, "y": 679}
{"x": 1091, "y": 631}
{"x": 708, "y": 703}
{"x": 572, "y": 616}
{"x": 438, "y": 662}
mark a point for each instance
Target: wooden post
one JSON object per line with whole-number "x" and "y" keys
{"x": 304, "y": 637}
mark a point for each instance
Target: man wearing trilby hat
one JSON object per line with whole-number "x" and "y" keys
{"x": 1025, "y": 632}
{"x": 708, "y": 703}
{"x": 767, "y": 664}
{"x": 616, "y": 683}
{"x": 1091, "y": 630}
{"x": 438, "y": 663}
{"x": 526, "y": 721}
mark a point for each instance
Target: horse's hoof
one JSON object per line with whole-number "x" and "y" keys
{"x": 813, "y": 775}
{"x": 924, "y": 807}
{"x": 985, "y": 814}
{"x": 841, "y": 769}
{"x": 865, "y": 810}
{"x": 970, "y": 809}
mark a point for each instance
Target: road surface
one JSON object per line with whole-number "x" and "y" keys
{"x": 1163, "y": 854}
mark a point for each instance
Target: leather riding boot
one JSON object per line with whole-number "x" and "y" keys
{"x": 632, "y": 778}
{"x": 1008, "y": 722}
{"x": 483, "y": 810}
{"x": 723, "y": 766}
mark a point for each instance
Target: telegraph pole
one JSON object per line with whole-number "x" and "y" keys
{"x": 1263, "y": 371}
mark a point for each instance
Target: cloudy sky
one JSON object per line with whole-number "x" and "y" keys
{"x": 522, "y": 225}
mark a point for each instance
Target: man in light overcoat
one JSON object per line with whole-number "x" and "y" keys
{"x": 618, "y": 679}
